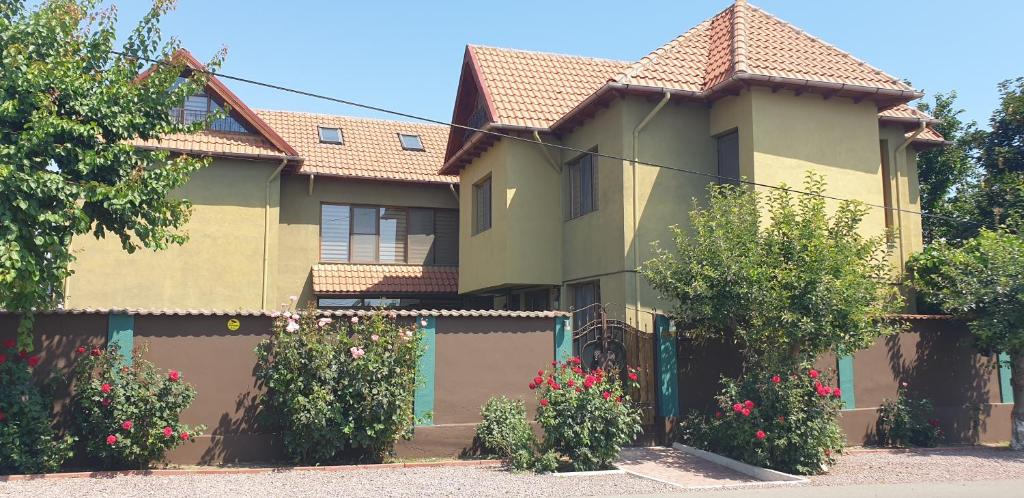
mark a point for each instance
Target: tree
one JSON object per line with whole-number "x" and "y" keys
{"x": 69, "y": 108}
{"x": 949, "y": 170}
{"x": 787, "y": 285}
{"x": 982, "y": 282}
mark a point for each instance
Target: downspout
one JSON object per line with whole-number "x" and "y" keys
{"x": 544, "y": 150}
{"x": 455, "y": 193}
{"x": 266, "y": 231}
{"x": 901, "y": 158}
{"x": 636, "y": 248}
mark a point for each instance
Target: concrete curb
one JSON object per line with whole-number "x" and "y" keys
{"x": 763, "y": 474}
{"x": 246, "y": 470}
{"x": 589, "y": 473}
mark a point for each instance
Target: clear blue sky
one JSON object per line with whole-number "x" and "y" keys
{"x": 406, "y": 55}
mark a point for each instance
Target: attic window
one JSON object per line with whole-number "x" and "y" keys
{"x": 410, "y": 142}
{"x": 331, "y": 135}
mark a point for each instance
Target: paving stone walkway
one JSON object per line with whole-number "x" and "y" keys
{"x": 682, "y": 469}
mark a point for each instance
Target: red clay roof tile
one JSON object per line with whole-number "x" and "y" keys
{"x": 406, "y": 279}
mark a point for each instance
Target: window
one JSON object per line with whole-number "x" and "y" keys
{"x": 729, "y": 158}
{"x": 584, "y": 295}
{"x": 197, "y": 107}
{"x": 482, "y": 205}
{"x": 410, "y": 142}
{"x": 331, "y": 135}
{"x": 375, "y": 234}
{"x": 582, "y": 186}
{"x": 883, "y": 146}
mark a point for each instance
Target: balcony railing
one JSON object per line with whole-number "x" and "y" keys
{"x": 225, "y": 123}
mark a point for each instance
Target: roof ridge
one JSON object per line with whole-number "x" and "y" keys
{"x": 556, "y": 54}
{"x": 792, "y": 26}
{"x": 353, "y": 118}
{"x": 739, "y": 37}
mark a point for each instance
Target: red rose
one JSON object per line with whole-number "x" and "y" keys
{"x": 589, "y": 381}
{"x": 934, "y": 422}
{"x": 3, "y": 358}
{"x": 553, "y": 362}
{"x": 174, "y": 375}
{"x": 633, "y": 376}
{"x": 813, "y": 374}
{"x": 776, "y": 379}
{"x": 606, "y": 395}
{"x": 571, "y": 383}
{"x": 105, "y": 388}
{"x": 827, "y": 390}
{"x": 33, "y": 361}
{"x": 718, "y": 414}
{"x": 95, "y": 352}
{"x": 105, "y": 402}
{"x": 111, "y": 440}
{"x": 3, "y": 416}
{"x": 836, "y": 392}
{"x": 127, "y": 425}
{"x": 749, "y": 404}
{"x": 81, "y": 349}
{"x": 22, "y": 353}
{"x": 579, "y": 389}
{"x": 746, "y": 412}
{"x": 540, "y": 373}
{"x": 556, "y": 386}
{"x": 168, "y": 432}
{"x": 538, "y": 380}
{"x": 544, "y": 402}
{"x": 184, "y": 436}
{"x": 737, "y": 407}
{"x": 760, "y": 435}
{"x": 10, "y": 343}
{"x": 619, "y": 399}
{"x": 533, "y": 386}
{"x": 577, "y": 370}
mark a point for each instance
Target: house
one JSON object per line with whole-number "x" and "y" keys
{"x": 341, "y": 211}
{"x": 628, "y": 144}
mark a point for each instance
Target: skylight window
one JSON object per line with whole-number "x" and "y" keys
{"x": 410, "y": 142}
{"x": 331, "y": 135}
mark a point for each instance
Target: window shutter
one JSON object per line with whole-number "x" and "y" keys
{"x": 446, "y": 237}
{"x": 422, "y": 239}
{"x": 729, "y": 158}
{"x": 334, "y": 227}
{"x": 392, "y": 236}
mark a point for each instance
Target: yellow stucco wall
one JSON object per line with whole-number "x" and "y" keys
{"x": 220, "y": 267}
{"x": 482, "y": 256}
{"x": 299, "y": 229}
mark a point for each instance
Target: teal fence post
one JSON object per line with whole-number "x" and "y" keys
{"x": 845, "y": 367}
{"x": 1005, "y": 389}
{"x": 423, "y": 403}
{"x": 563, "y": 338}
{"x": 668, "y": 371}
{"x": 121, "y": 331}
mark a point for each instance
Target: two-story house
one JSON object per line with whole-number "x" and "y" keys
{"x": 743, "y": 94}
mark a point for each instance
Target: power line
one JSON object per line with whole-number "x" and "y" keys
{"x": 544, "y": 144}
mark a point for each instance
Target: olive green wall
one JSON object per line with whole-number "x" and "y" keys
{"x": 483, "y": 256}
{"x": 299, "y": 229}
{"x": 220, "y": 267}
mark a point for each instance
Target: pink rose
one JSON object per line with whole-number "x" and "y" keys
{"x": 168, "y": 432}
{"x": 374, "y": 337}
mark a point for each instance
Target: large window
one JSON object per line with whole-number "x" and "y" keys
{"x": 482, "y": 205}
{"x": 197, "y": 107}
{"x": 583, "y": 296}
{"x": 581, "y": 185}
{"x": 729, "y": 158}
{"x": 375, "y": 234}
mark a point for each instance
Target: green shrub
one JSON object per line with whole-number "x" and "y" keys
{"x": 128, "y": 415}
{"x": 547, "y": 462}
{"x": 28, "y": 443}
{"x": 907, "y": 422}
{"x": 505, "y": 432}
{"x": 782, "y": 421}
{"x": 338, "y": 387}
{"x": 586, "y": 416}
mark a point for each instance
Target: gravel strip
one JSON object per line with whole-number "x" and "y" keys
{"x": 958, "y": 464}
{"x": 432, "y": 481}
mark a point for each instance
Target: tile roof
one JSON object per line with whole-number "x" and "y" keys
{"x": 904, "y": 112}
{"x": 371, "y": 149}
{"x": 534, "y": 89}
{"x": 360, "y": 278}
{"x": 215, "y": 143}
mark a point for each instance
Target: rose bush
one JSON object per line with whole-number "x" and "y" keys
{"x": 128, "y": 416}
{"x": 784, "y": 421}
{"x": 338, "y": 386}
{"x": 28, "y": 443}
{"x": 586, "y": 415}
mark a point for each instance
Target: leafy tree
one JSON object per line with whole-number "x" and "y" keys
{"x": 945, "y": 171}
{"x": 982, "y": 282}
{"x": 69, "y": 108}
{"x": 778, "y": 275}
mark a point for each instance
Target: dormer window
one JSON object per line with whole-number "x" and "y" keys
{"x": 410, "y": 142}
{"x": 199, "y": 106}
{"x": 331, "y": 136}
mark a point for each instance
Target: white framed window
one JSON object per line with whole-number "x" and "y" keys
{"x": 330, "y": 135}
{"x": 411, "y": 142}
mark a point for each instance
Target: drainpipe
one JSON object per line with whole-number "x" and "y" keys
{"x": 266, "y": 231}
{"x": 902, "y": 158}
{"x": 636, "y": 248}
{"x": 455, "y": 193}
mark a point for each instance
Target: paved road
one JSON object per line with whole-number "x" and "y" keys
{"x": 975, "y": 489}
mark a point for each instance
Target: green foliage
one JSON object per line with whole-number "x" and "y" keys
{"x": 336, "y": 386}
{"x": 69, "y": 108}
{"x": 780, "y": 276}
{"x": 907, "y": 422}
{"x": 586, "y": 416}
{"x": 28, "y": 443}
{"x": 785, "y": 421}
{"x": 547, "y": 462}
{"x": 505, "y": 432}
{"x": 128, "y": 415}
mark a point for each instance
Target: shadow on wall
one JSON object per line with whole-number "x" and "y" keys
{"x": 942, "y": 365}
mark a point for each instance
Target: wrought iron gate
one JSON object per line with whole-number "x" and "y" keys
{"x": 613, "y": 345}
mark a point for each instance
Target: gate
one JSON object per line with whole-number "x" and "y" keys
{"x": 613, "y": 345}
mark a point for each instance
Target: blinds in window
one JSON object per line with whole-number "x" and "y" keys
{"x": 446, "y": 242}
{"x": 334, "y": 227}
{"x": 421, "y": 236}
{"x": 392, "y": 236}
{"x": 364, "y": 235}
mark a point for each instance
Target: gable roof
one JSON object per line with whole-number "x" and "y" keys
{"x": 370, "y": 149}
{"x": 740, "y": 46}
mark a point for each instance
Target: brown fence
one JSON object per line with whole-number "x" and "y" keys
{"x": 476, "y": 355}
{"x": 934, "y": 358}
